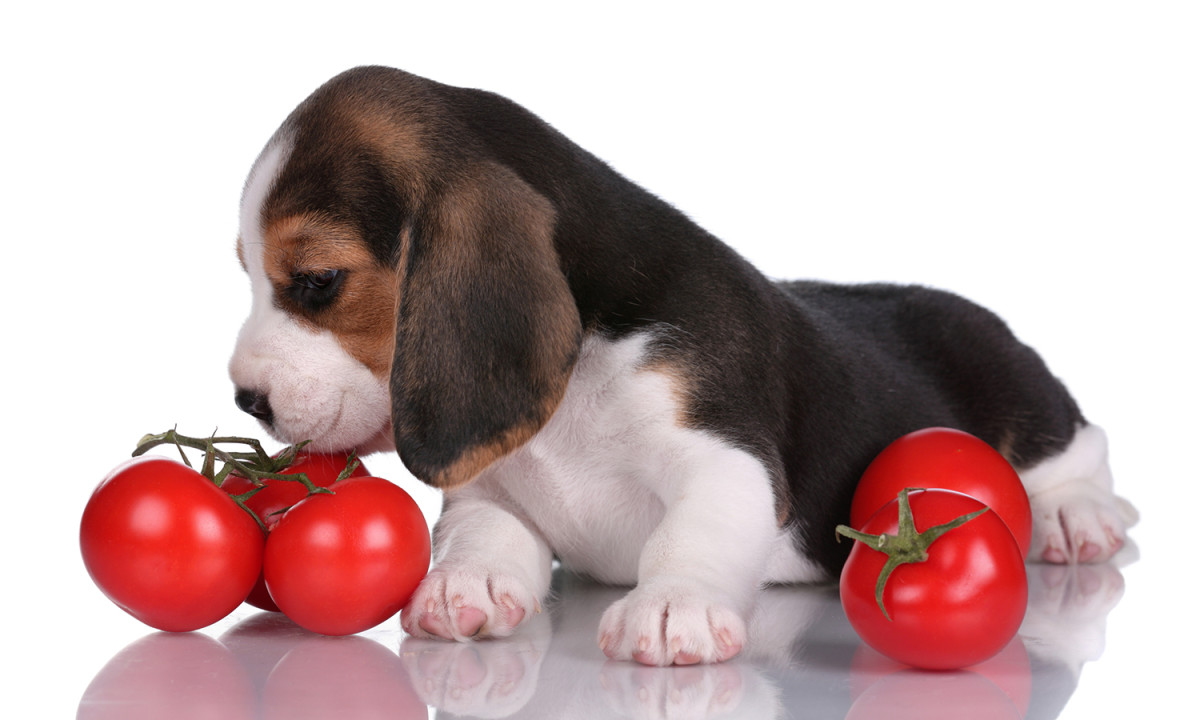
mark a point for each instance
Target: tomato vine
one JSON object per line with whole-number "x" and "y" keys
{"x": 255, "y": 463}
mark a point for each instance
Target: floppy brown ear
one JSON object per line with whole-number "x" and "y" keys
{"x": 487, "y": 330}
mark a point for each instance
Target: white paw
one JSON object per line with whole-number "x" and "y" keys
{"x": 672, "y": 622}
{"x": 1078, "y": 524}
{"x": 463, "y": 602}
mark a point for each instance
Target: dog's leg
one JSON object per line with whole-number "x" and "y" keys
{"x": 492, "y": 571}
{"x": 700, "y": 569}
{"x": 1076, "y": 516}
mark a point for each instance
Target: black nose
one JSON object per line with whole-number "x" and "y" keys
{"x": 256, "y": 404}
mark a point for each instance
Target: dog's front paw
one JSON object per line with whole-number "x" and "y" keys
{"x": 1078, "y": 524}
{"x": 462, "y": 602}
{"x": 672, "y": 622}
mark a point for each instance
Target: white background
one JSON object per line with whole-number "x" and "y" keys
{"x": 1042, "y": 158}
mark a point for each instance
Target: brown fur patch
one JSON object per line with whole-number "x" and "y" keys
{"x": 392, "y": 121}
{"x": 1006, "y": 446}
{"x": 362, "y": 317}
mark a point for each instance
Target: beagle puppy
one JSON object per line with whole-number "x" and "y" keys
{"x": 592, "y": 378}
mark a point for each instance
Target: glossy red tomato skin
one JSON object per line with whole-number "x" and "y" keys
{"x": 167, "y": 546}
{"x": 278, "y": 495}
{"x": 958, "y": 608}
{"x": 343, "y": 563}
{"x": 947, "y": 459}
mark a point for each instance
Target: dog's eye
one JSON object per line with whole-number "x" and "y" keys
{"x": 319, "y": 280}
{"x": 316, "y": 290}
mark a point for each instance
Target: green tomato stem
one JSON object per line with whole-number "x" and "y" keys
{"x": 907, "y": 545}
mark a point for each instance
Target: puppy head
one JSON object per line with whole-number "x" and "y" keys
{"x": 406, "y": 289}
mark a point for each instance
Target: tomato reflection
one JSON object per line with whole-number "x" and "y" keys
{"x": 170, "y": 675}
{"x": 998, "y": 688}
{"x": 264, "y": 667}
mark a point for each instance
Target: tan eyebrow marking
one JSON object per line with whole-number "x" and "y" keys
{"x": 363, "y": 318}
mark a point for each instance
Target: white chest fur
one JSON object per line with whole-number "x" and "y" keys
{"x": 614, "y": 467}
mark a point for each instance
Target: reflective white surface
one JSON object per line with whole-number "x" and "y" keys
{"x": 804, "y": 661}
{"x": 1038, "y": 157}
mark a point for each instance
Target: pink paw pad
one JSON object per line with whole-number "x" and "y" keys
{"x": 470, "y": 620}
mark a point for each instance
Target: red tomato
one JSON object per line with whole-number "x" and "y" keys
{"x": 167, "y": 546}
{"x": 959, "y": 606}
{"x": 342, "y": 563}
{"x": 945, "y": 459}
{"x": 278, "y": 495}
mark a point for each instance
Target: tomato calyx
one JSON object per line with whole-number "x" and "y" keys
{"x": 907, "y": 545}
{"x": 254, "y": 464}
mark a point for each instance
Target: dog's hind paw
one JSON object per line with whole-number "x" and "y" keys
{"x": 1078, "y": 524}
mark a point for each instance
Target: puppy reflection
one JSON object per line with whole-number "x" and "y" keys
{"x": 801, "y": 655}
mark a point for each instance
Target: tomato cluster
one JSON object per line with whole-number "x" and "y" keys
{"x": 937, "y": 580}
{"x": 179, "y": 549}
